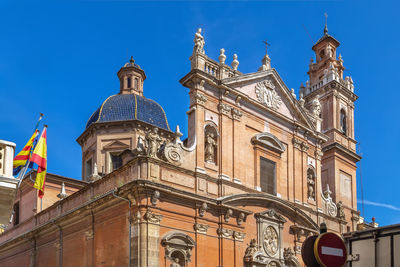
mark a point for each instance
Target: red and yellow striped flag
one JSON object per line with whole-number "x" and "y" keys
{"x": 22, "y": 158}
{"x": 39, "y": 157}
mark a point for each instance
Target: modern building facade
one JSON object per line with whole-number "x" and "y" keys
{"x": 259, "y": 171}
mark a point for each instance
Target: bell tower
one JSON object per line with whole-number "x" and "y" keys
{"x": 337, "y": 98}
{"x": 131, "y": 78}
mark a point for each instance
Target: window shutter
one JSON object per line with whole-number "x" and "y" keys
{"x": 267, "y": 176}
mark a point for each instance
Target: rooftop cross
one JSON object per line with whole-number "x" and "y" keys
{"x": 326, "y": 23}
{"x": 266, "y": 46}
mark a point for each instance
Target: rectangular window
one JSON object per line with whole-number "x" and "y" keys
{"x": 115, "y": 160}
{"x": 88, "y": 168}
{"x": 267, "y": 176}
{"x": 16, "y": 213}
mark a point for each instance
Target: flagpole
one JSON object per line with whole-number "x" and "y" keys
{"x": 25, "y": 168}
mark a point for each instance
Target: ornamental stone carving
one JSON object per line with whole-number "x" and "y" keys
{"x": 199, "y": 98}
{"x": 173, "y": 153}
{"x": 299, "y": 144}
{"x": 266, "y": 94}
{"x": 152, "y": 218}
{"x": 236, "y": 114}
{"x": 340, "y": 210}
{"x": 178, "y": 243}
{"x": 330, "y": 207}
{"x": 228, "y": 214}
{"x": 153, "y": 141}
{"x": 155, "y": 197}
{"x": 225, "y": 233}
{"x": 251, "y": 250}
{"x": 315, "y": 108}
{"x": 240, "y": 218}
{"x": 239, "y": 236}
{"x": 203, "y": 209}
{"x": 224, "y": 109}
{"x": 200, "y": 228}
{"x": 198, "y": 42}
{"x": 270, "y": 242}
{"x": 318, "y": 154}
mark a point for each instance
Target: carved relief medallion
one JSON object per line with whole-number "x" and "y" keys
{"x": 266, "y": 94}
{"x": 270, "y": 241}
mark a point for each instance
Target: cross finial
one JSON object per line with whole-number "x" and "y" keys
{"x": 266, "y": 46}
{"x": 326, "y": 23}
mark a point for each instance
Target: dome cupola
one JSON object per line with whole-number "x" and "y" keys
{"x": 131, "y": 78}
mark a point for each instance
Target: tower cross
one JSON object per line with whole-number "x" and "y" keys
{"x": 266, "y": 46}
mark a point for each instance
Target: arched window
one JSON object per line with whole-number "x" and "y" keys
{"x": 129, "y": 82}
{"x": 343, "y": 121}
{"x": 210, "y": 144}
{"x": 136, "y": 85}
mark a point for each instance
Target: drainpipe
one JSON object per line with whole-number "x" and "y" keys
{"x": 130, "y": 224}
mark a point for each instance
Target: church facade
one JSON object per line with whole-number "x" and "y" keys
{"x": 259, "y": 171}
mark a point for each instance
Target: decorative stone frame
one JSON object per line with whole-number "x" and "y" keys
{"x": 178, "y": 243}
{"x": 268, "y": 219}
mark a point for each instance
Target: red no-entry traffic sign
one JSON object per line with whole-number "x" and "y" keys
{"x": 330, "y": 250}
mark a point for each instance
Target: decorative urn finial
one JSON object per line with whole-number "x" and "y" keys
{"x": 222, "y": 56}
{"x": 235, "y": 62}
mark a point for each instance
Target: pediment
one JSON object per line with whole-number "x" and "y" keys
{"x": 116, "y": 145}
{"x": 267, "y": 89}
{"x": 268, "y": 141}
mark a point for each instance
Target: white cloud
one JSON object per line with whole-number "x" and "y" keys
{"x": 377, "y": 204}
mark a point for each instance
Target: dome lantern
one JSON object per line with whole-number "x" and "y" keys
{"x": 131, "y": 78}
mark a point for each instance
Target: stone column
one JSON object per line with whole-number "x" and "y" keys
{"x": 145, "y": 240}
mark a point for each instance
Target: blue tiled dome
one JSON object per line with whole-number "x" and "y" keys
{"x": 130, "y": 107}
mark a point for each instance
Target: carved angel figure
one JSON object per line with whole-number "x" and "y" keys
{"x": 153, "y": 142}
{"x": 210, "y": 147}
{"x": 198, "y": 42}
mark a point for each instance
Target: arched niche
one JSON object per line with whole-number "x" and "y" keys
{"x": 268, "y": 141}
{"x": 311, "y": 181}
{"x": 211, "y": 143}
{"x": 179, "y": 246}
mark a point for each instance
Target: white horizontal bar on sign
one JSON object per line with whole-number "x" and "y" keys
{"x": 332, "y": 251}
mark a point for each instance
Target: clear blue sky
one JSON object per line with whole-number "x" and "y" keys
{"x": 61, "y": 59}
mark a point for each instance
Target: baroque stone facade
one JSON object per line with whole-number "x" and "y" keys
{"x": 257, "y": 174}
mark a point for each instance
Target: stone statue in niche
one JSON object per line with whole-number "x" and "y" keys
{"x": 198, "y": 42}
{"x": 153, "y": 142}
{"x": 340, "y": 210}
{"x": 210, "y": 146}
{"x": 175, "y": 263}
{"x": 310, "y": 185}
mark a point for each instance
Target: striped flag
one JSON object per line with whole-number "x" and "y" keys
{"x": 22, "y": 158}
{"x": 39, "y": 157}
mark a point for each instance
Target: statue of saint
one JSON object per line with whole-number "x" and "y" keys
{"x": 198, "y": 42}
{"x": 153, "y": 142}
{"x": 316, "y": 107}
{"x": 251, "y": 250}
{"x": 210, "y": 147}
{"x": 340, "y": 210}
{"x": 175, "y": 263}
{"x": 310, "y": 183}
